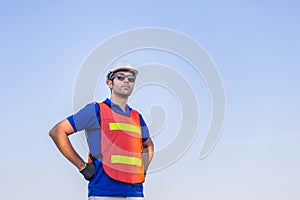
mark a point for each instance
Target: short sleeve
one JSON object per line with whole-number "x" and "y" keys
{"x": 145, "y": 130}
{"x": 86, "y": 118}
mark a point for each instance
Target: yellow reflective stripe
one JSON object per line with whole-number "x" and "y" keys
{"x": 127, "y": 160}
{"x": 124, "y": 127}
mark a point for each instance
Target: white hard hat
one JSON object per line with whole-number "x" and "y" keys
{"x": 120, "y": 66}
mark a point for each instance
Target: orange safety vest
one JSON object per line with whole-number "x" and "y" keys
{"x": 121, "y": 145}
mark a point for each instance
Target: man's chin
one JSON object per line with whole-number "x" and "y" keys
{"x": 125, "y": 95}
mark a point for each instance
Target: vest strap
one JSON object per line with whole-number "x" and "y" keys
{"x": 96, "y": 157}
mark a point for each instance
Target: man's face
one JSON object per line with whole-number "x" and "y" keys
{"x": 122, "y": 84}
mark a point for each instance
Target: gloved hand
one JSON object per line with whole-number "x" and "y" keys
{"x": 88, "y": 171}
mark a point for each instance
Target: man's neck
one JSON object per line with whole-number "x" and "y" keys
{"x": 122, "y": 102}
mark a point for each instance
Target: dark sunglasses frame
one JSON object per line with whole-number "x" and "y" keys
{"x": 121, "y": 77}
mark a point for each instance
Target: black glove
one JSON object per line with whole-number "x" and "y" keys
{"x": 88, "y": 171}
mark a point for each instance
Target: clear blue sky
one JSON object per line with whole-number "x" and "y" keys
{"x": 255, "y": 45}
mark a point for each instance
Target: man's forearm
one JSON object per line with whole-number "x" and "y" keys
{"x": 148, "y": 152}
{"x": 147, "y": 157}
{"x": 59, "y": 135}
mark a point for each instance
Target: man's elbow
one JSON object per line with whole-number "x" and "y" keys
{"x": 148, "y": 143}
{"x": 62, "y": 129}
{"x": 53, "y": 132}
{"x": 57, "y": 131}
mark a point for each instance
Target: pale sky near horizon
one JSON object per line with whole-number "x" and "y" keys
{"x": 254, "y": 44}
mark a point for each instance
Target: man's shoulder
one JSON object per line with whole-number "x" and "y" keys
{"x": 89, "y": 108}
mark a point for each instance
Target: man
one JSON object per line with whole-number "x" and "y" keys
{"x": 120, "y": 148}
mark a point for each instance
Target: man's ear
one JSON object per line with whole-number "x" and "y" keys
{"x": 110, "y": 84}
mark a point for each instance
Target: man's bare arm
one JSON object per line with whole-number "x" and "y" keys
{"x": 148, "y": 152}
{"x": 59, "y": 134}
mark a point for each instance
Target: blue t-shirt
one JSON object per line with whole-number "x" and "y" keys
{"x": 88, "y": 119}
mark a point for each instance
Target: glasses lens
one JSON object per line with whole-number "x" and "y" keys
{"x": 122, "y": 77}
{"x": 131, "y": 78}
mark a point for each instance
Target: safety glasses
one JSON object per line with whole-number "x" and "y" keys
{"x": 121, "y": 77}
